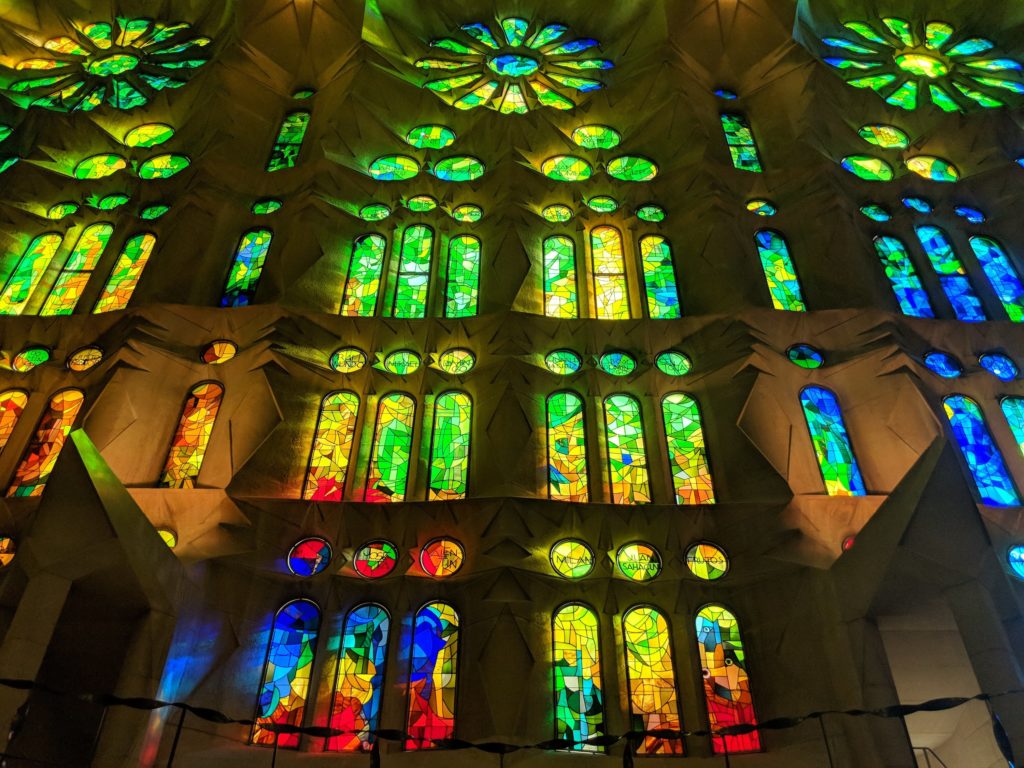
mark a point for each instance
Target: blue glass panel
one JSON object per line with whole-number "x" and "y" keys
{"x": 952, "y": 275}
{"x": 359, "y": 681}
{"x": 832, "y": 447}
{"x": 943, "y": 364}
{"x": 1001, "y": 274}
{"x": 903, "y": 277}
{"x": 999, "y": 365}
{"x": 980, "y": 452}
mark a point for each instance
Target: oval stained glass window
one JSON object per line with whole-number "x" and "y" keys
{"x": 29, "y": 358}
{"x": 219, "y": 352}
{"x": 468, "y": 213}
{"x": 933, "y": 168}
{"x": 999, "y": 365}
{"x": 375, "y": 559}
{"x": 374, "y": 212}
{"x": 973, "y": 215}
{"x": 456, "y": 361}
{"x": 112, "y": 201}
{"x": 8, "y": 549}
{"x": 867, "y": 167}
{"x": 394, "y": 168}
{"x": 402, "y": 363}
{"x": 84, "y": 358}
{"x": 442, "y": 557}
{"x": 632, "y": 168}
{"x": 148, "y": 135}
{"x": 562, "y": 362}
{"x": 875, "y": 212}
{"x": 918, "y": 204}
{"x": 596, "y": 137}
{"x": 266, "y": 206}
{"x": 153, "y": 212}
{"x": 421, "y": 203}
{"x": 761, "y": 207}
{"x": 943, "y": 364}
{"x": 99, "y": 166}
{"x": 566, "y": 168}
{"x": 308, "y": 557}
{"x": 58, "y": 211}
{"x": 459, "y": 168}
{"x": 348, "y": 360}
{"x": 638, "y": 561}
{"x": 673, "y": 363}
{"x": 571, "y": 558}
{"x": 1014, "y": 556}
{"x": 707, "y": 561}
{"x": 557, "y": 214}
{"x": 650, "y": 212}
{"x": 430, "y": 137}
{"x": 617, "y": 363}
{"x": 603, "y": 204}
{"x": 884, "y": 136}
{"x": 163, "y": 166}
{"x": 805, "y": 356}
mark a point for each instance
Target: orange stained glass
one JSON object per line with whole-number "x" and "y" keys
{"x": 650, "y": 670}
{"x": 332, "y": 447}
{"x": 611, "y": 294}
{"x": 12, "y": 405}
{"x": 442, "y": 557}
{"x": 42, "y": 453}
{"x": 188, "y": 448}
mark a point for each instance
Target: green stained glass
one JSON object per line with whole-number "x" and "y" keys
{"x": 995, "y": 65}
{"x": 163, "y": 166}
{"x": 29, "y": 358}
{"x": 707, "y": 561}
{"x": 611, "y": 294}
{"x": 393, "y": 168}
{"x": 364, "y": 273}
{"x": 463, "y": 285}
{"x": 413, "y": 273}
{"x": 627, "y": 454}
{"x": 971, "y": 47}
{"x": 740, "y": 140}
{"x": 982, "y": 99}
{"x": 7, "y": 162}
{"x": 688, "y": 457}
{"x": 904, "y": 97}
{"x": 459, "y": 168}
{"x": 58, "y": 211}
{"x": 109, "y": 66}
{"x": 303, "y": 93}
{"x": 456, "y": 361}
{"x": 867, "y": 167}
{"x": 805, "y": 356}
{"x": 112, "y": 201}
{"x": 148, "y": 135}
{"x": 998, "y": 82}
{"x": 513, "y": 102}
{"x": 246, "y": 268}
{"x": 348, "y": 360}
{"x": 124, "y": 277}
{"x": 779, "y": 273}
{"x": 391, "y": 453}
{"x": 285, "y": 152}
{"x": 831, "y": 443}
{"x": 374, "y": 212}
{"x": 266, "y": 206}
{"x": 846, "y": 45}
{"x": 630, "y": 168}
{"x": 937, "y": 34}
{"x": 617, "y": 363}
{"x": 651, "y": 680}
{"x": 513, "y": 65}
{"x": 562, "y": 362}
{"x": 482, "y": 34}
{"x": 865, "y": 30}
{"x": 446, "y": 84}
{"x": 450, "y": 441}
{"x": 468, "y": 213}
{"x": 444, "y": 64}
{"x": 673, "y": 363}
{"x": 566, "y": 168}
{"x": 421, "y": 203}
{"x": 560, "y": 299}
{"x": 942, "y": 99}
{"x": 579, "y": 697}
{"x": 586, "y": 64}
{"x": 596, "y": 137}
{"x": 74, "y": 276}
{"x": 430, "y": 137}
{"x": 151, "y": 212}
{"x": 123, "y": 95}
{"x": 478, "y": 96}
{"x": 651, "y": 213}
{"x": 922, "y": 65}
{"x": 884, "y": 136}
{"x": 901, "y": 28}
{"x": 567, "y": 448}
{"x": 402, "y": 363}
{"x": 659, "y": 278}
{"x": 841, "y": 63}
{"x": 27, "y": 273}
{"x": 447, "y": 44}
{"x": 571, "y": 558}
{"x": 547, "y": 35}
{"x": 933, "y": 168}
{"x": 100, "y": 33}
{"x": 515, "y": 31}
{"x": 557, "y": 214}
{"x": 551, "y": 98}
{"x": 875, "y": 82}
{"x": 99, "y": 166}
{"x": 603, "y": 204}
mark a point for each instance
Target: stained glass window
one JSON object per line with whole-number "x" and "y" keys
{"x": 433, "y": 669}
{"x": 783, "y": 284}
{"x": 688, "y": 456}
{"x": 413, "y": 272}
{"x": 627, "y": 456}
{"x": 246, "y": 268}
{"x": 567, "y": 448}
{"x": 285, "y": 152}
{"x": 1002, "y": 274}
{"x": 579, "y": 700}
{"x": 979, "y": 450}
{"x": 952, "y": 275}
{"x": 12, "y": 405}
{"x": 659, "y": 278}
{"x": 463, "y": 289}
{"x": 831, "y": 443}
{"x": 51, "y": 433}
{"x": 392, "y": 449}
{"x": 28, "y": 272}
{"x": 124, "y": 277}
{"x": 285, "y": 686}
{"x": 726, "y": 684}
{"x": 77, "y": 269}
{"x": 742, "y": 146}
{"x": 611, "y": 294}
{"x": 651, "y": 676}
{"x": 359, "y": 681}
{"x": 364, "y": 273}
{"x": 449, "y": 451}
{"x": 191, "y": 439}
{"x": 903, "y": 277}
{"x": 1013, "y": 410}
{"x": 560, "y": 299}
{"x": 332, "y": 447}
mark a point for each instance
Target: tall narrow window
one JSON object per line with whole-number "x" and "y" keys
{"x": 246, "y": 268}
{"x": 726, "y": 685}
{"x": 651, "y": 676}
{"x": 392, "y": 449}
{"x": 952, "y": 275}
{"x": 285, "y": 686}
{"x": 73, "y": 277}
{"x": 1002, "y": 274}
{"x": 359, "y": 682}
{"x": 433, "y": 670}
{"x": 124, "y": 277}
{"x": 567, "y": 448}
{"x": 691, "y": 473}
{"x": 979, "y": 450}
{"x": 188, "y": 447}
{"x": 560, "y": 293}
{"x": 463, "y": 284}
{"x": 28, "y": 272}
{"x": 742, "y": 146}
{"x": 43, "y": 451}
{"x": 364, "y": 274}
{"x": 1013, "y": 410}
{"x": 611, "y": 294}
{"x": 627, "y": 456}
{"x": 659, "y": 278}
{"x": 414, "y": 272}
{"x": 903, "y": 277}
{"x": 832, "y": 446}
{"x": 449, "y": 447}
{"x": 285, "y": 152}
{"x": 12, "y": 405}
{"x": 579, "y": 701}
{"x": 783, "y": 284}
{"x": 332, "y": 447}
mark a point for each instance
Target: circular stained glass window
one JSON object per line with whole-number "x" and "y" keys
{"x": 219, "y": 352}
{"x": 761, "y": 207}
{"x": 421, "y": 203}
{"x": 943, "y": 364}
{"x": 999, "y": 365}
{"x": 456, "y": 361}
{"x": 557, "y": 214}
{"x": 266, "y": 206}
{"x": 168, "y": 536}
{"x": 571, "y": 558}
{"x": 394, "y": 168}
{"x": 375, "y": 559}
{"x": 638, "y": 561}
{"x": 617, "y": 363}
{"x": 603, "y": 204}
{"x": 805, "y": 356}
{"x": 442, "y": 557}
{"x": 468, "y": 213}
{"x": 707, "y": 561}
{"x": 402, "y": 363}
{"x": 650, "y": 212}
{"x": 973, "y": 215}
{"x": 459, "y": 168}
{"x": 430, "y": 137}
{"x": 566, "y": 168}
{"x": 596, "y": 137}
{"x": 630, "y": 168}
{"x": 374, "y": 212}
{"x": 673, "y": 363}
{"x": 148, "y": 135}
{"x": 348, "y": 360}
{"x": 875, "y": 212}
{"x": 563, "y": 362}
{"x": 29, "y": 358}
{"x": 918, "y": 204}
{"x": 85, "y": 358}
{"x": 1015, "y": 557}
{"x": 725, "y": 93}
{"x": 58, "y": 211}
{"x": 308, "y": 557}
{"x": 8, "y": 549}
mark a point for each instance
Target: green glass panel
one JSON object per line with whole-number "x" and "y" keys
{"x": 364, "y": 274}
{"x": 463, "y": 285}
{"x": 151, "y": 212}
{"x": 348, "y": 360}
{"x": 982, "y": 99}
{"x": 71, "y": 281}
{"x": 603, "y": 204}
{"x": 942, "y": 99}
{"x": 579, "y": 697}
{"x": 413, "y": 273}
{"x": 392, "y": 449}
{"x": 673, "y": 363}
{"x": 99, "y": 166}
{"x": 394, "y": 168}
{"x": 865, "y": 30}
{"x": 163, "y": 166}
{"x": 421, "y": 203}
{"x": 563, "y": 362}
{"x": 567, "y": 448}
{"x": 547, "y": 35}
{"x": 904, "y": 97}
{"x": 557, "y": 214}
{"x": 560, "y": 299}
{"x": 446, "y": 84}
{"x": 112, "y": 201}
{"x": 933, "y": 168}
{"x": 448, "y": 44}
{"x": 901, "y": 28}
{"x": 515, "y": 31}
{"x": 582, "y": 84}
{"x": 247, "y": 268}
{"x": 874, "y": 82}
{"x": 374, "y": 212}
{"x": 596, "y": 137}
{"x": 971, "y": 47}
{"x": 124, "y": 277}
{"x": 27, "y": 273}
{"x": 996, "y": 82}
{"x": 266, "y": 206}
{"x": 687, "y": 453}
{"x": 617, "y": 363}
{"x": 867, "y": 167}
{"x": 457, "y": 362}
{"x": 481, "y": 33}
{"x": 450, "y": 440}
{"x": 430, "y": 137}
{"x": 285, "y": 152}
{"x": 402, "y": 363}
{"x": 566, "y": 168}
{"x": 884, "y": 136}
{"x": 58, "y": 211}
{"x": 875, "y": 212}
{"x": 571, "y": 558}
{"x": 513, "y": 65}
{"x": 831, "y": 443}
{"x": 651, "y": 213}
{"x": 478, "y": 96}
{"x": 937, "y": 34}
{"x": 629, "y": 168}
{"x": 459, "y": 168}
{"x": 659, "y": 278}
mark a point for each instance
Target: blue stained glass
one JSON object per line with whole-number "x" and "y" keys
{"x": 980, "y": 452}
{"x": 943, "y": 364}
{"x": 805, "y": 356}
{"x": 973, "y": 215}
{"x": 839, "y": 468}
{"x": 918, "y": 204}
{"x": 875, "y": 212}
{"x": 903, "y": 277}
{"x": 952, "y": 275}
{"x": 999, "y": 365}
{"x": 779, "y": 273}
{"x": 1001, "y": 273}
{"x": 1015, "y": 557}
{"x": 246, "y": 268}
{"x": 725, "y": 93}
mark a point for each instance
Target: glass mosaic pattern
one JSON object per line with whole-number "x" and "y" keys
{"x": 999, "y": 365}
{"x": 364, "y": 273}
{"x": 449, "y": 451}
{"x": 191, "y": 439}
{"x": 707, "y": 561}
{"x": 617, "y": 363}
{"x": 638, "y": 561}
{"x": 742, "y": 147}
{"x": 12, "y": 405}
{"x": 359, "y": 680}
{"x": 77, "y": 269}
{"x": 1015, "y": 559}
{"x": 579, "y": 699}
{"x": 125, "y": 275}
{"x": 943, "y": 364}
{"x": 659, "y": 278}
{"x": 308, "y": 557}
{"x": 567, "y": 448}
{"x": 783, "y": 284}
{"x": 463, "y": 285}
{"x": 562, "y": 362}
{"x": 413, "y": 272}
{"x": 631, "y": 168}
{"x": 392, "y": 449}
{"x": 433, "y": 672}
{"x": 456, "y": 361}
{"x": 611, "y": 294}
{"x": 571, "y": 558}
{"x": 651, "y": 679}
{"x": 375, "y": 559}
{"x": 903, "y": 277}
{"x": 831, "y": 443}
{"x": 673, "y": 363}
{"x": 442, "y": 557}
{"x": 28, "y": 272}
{"x": 952, "y": 275}
{"x": 246, "y": 268}
{"x": 688, "y": 456}
{"x": 805, "y": 356}
{"x": 627, "y": 456}
{"x": 985, "y": 462}
{"x": 1013, "y": 410}
{"x": 332, "y": 447}
{"x": 84, "y": 359}
{"x": 288, "y": 144}
{"x": 44, "y": 449}
{"x": 560, "y": 297}
{"x": 1001, "y": 274}
{"x": 348, "y": 360}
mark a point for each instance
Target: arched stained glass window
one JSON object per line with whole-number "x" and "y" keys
{"x": 567, "y": 448}
{"x": 188, "y": 447}
{"x": 285, "y": 686}
{"x": 43, "y": 451}
{"x": 560, "y": 291}
{"x": 831, "y": 443}
{"x": 740, "y": 139}
{"x": 413, "y": 281}
{"x": 246, "y": 268}
{"x": 651, "y": 676}
{"x": 433, "y": 670}
{"x": 463, "y": 284}
{"x": 579, "y": 699}
{"x": 783, "y": 284}
{"x": 910, "y": 293}
{"x": 659, "y": 278}
{"x": 364, "y": 273}
{"x": 1013, "y": 410}
{"x": 1002, "y": 275}
{"x": 12, "y": 405}
{"x": 28, "y": 272}
{"x": 77, "y": 269}
{"x": 979, "y": 450}
{"x": 124, "y": 277}
{"x": 726, "y": 685}
{"x": 332, "y": 447}
{"x": 449, "y": 447}
{"x": 627, "y": 455}
{"x": 952, "y": 275}
{"x": 359, "y": 681}
{"x": 285, "y": 152}
{"x": 691, "y": 473}
{"x": 392, "y": 449}
{"x": 611, "y": 293}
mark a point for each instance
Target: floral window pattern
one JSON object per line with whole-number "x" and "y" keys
{"x": 392, "y": 449}
{"x": 433, "y": 669}
{"x": 332, "y": 447}
{"x": 359, "y": 680}
{"x": 651, "y": 680}
{"x": 567, "y": 448}
{"x": 192, "y": 437}
{"x": 449, "y": 450}
{"x": 579, "y": 700}
{"x": 43, "y": 451}
{"x": 364, "y": 273}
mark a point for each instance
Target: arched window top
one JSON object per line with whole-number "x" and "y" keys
{"x": 566, "y": 447}
{"x": 362, "y": 288}
{"x": 450, "y": 445}
{"x": 579, "y": 699}
{"x": 433, "y": 675}
{"x": 980, "y": 452}
{"x": 688, "y": 457}
{"x": 359, "y": 681}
